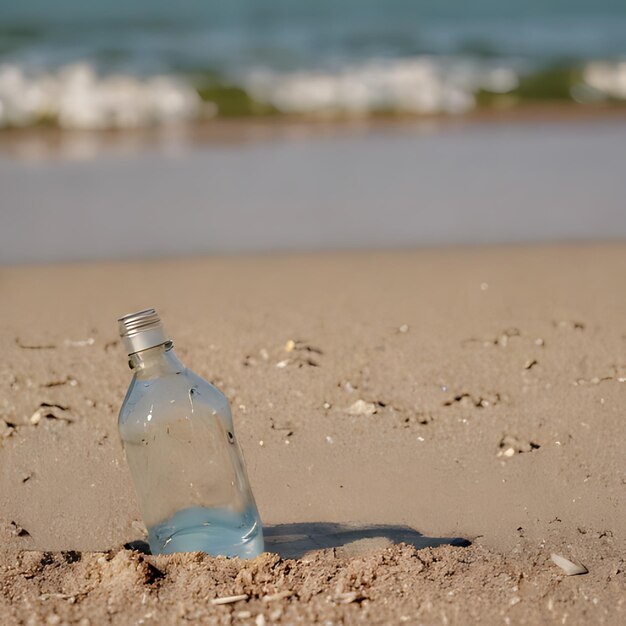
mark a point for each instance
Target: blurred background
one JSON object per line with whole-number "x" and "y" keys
{"x": 159, "y": 128}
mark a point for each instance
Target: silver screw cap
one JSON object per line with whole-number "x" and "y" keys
{"x": 141, "y": 331}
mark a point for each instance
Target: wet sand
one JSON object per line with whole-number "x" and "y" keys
{"x": 387, "y": 187}
{"x": 431, "y": 396}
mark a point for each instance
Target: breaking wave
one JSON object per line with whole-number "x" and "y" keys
{"x": 77, "y": 97}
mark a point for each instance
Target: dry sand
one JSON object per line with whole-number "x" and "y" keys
{"x": 431, "y": 395}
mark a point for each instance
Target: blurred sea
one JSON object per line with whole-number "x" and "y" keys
{"x": 125, "y": 64}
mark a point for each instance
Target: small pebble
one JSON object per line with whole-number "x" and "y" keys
{"x": 509, "y": 452}
{"x": 35, "y": 418}
{"x": 404, "y": 328}
{"x": 329, "y": 439}
{"x": 5, "y": 430}
{"x": 282, "y": 364}
{"x": 360, "y": 407}
{"x": 290, "y": 345}
{"x": 18, "y": 531}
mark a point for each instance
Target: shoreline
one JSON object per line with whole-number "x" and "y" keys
{"x": 313, "y": 255}
{"x": 393, "y": 187}
{"x": 52, "y": 143}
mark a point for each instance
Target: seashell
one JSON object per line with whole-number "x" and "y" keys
{"x": 570, "y": 568}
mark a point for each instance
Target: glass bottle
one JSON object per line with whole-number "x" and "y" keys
{"x": 178, "y": 436}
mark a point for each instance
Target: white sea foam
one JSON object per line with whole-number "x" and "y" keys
{"x": 409, "y": 85}
{"x": 76, "y": 97}
{"x": 609, "y": 78}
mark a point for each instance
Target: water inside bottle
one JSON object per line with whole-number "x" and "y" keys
{"x": 187, "y": 467}
{"x": 216, "y": 531}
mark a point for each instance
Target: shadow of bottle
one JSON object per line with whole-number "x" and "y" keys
{"x": 294, "y": 540}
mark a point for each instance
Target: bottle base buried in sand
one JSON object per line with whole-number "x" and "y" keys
{"x": 216, "y": 531}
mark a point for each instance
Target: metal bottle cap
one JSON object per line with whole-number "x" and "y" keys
{"x": 141, "y": 331}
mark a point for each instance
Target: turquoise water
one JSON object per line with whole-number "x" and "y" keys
{"x": 219, "y": 532}
{"x": 228, "y": 38}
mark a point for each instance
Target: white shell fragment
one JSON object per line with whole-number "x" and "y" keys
{"x": 80, "y": 343}
{"x": 35, "y": 418}
{"x": 360, "y": 407}
{"x": 278, "y": 596}
{"x": 570, "y": 568}
{"x": 229, "y": 599}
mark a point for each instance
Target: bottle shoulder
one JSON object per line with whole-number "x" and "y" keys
{"x": 171, "y": 391}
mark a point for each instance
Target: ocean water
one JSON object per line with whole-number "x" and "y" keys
{"x": 119, "y": 64}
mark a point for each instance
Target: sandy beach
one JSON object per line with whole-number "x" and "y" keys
{"x": 393, "y": 234}
{"x": 446, "y": 420}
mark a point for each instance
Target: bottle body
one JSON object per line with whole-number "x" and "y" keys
{"x": 187, "y": 467}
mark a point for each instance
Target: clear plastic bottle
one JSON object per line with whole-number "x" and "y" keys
{"x": 178, "y": 436}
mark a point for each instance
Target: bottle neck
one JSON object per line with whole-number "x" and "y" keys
{"x": 154, "y": 362}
